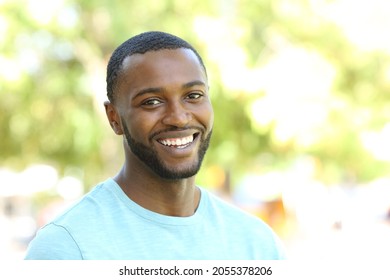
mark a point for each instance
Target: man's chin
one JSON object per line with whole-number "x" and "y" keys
{"x": 174, "y": 174}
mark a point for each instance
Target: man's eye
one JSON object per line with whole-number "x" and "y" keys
{"x": 151, "y": 102}
{"x": 195, "y": 95}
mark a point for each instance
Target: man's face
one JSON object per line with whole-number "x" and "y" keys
{"x": 165, "y": 111}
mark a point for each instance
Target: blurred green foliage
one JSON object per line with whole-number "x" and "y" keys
{"x": 52, "y": 84}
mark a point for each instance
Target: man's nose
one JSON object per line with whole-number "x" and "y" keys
{"x": 177, "y": 115}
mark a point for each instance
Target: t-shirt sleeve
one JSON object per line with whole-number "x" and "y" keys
{"x": 53, "y": 242}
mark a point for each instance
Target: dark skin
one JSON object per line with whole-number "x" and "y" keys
{"x": 162, "y": 98}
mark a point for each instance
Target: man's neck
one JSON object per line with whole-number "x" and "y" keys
{"x": 167, "y": 197}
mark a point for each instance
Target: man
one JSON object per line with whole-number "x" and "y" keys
{"x": 159, "y": 101}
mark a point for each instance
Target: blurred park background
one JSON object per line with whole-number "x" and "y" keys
{"x": 300, "y": 88}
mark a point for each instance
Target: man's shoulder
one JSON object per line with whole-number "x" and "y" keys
{"x": 237, "y": 222}
{"x": 79, "y": 225}
{"x": 87, "y": 205}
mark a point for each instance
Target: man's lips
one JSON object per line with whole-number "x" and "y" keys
{"x": 178, "y": 142}
{"x": 177, "y": 139}
{"x": 183, "y": 141}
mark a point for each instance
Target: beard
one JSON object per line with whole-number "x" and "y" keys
{"x": 151, "y": 159}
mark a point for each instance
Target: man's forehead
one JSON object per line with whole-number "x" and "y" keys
{"x": 159, "y": 68}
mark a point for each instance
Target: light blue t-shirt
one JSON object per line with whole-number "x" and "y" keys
{"x": 107, "y": 225}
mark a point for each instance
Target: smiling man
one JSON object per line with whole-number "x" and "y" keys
{"x": 158, "y": 100}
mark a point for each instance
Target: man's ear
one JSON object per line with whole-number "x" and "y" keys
{"x": 113, "y": 117}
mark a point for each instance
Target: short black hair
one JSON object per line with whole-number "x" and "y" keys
{"x": 140, "y": 44}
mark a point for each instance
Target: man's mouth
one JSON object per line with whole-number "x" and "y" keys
{"x": 179, "y": 143}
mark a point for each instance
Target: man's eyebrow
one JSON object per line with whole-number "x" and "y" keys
{"x": 160, "y": 89}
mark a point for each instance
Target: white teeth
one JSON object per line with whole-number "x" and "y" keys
{"x": 177, "y": 141}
